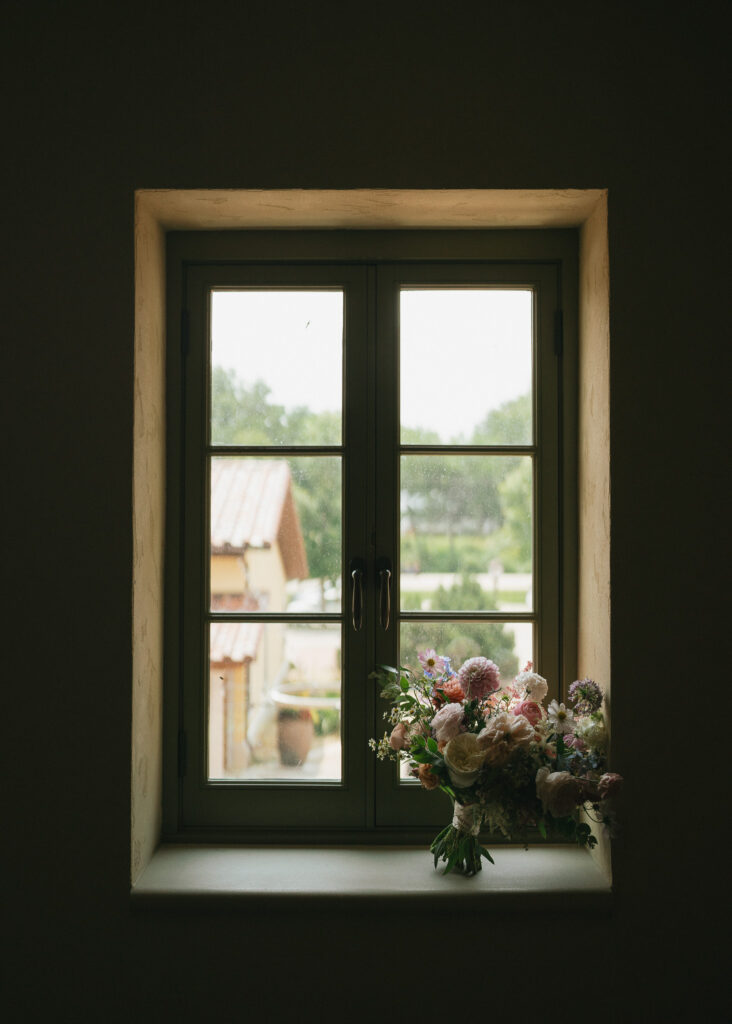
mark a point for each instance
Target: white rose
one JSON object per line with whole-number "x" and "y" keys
{"x": 464, "y": 759}
{"x": 533, "y": 685}
{"x": 592, "y": 731}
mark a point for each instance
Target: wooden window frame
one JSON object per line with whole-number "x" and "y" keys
{"x": 550, "y": 256}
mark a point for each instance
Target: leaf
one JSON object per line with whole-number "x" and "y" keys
{"x": 542, "y": 827}
{"x": 452, "y": 861}
{"x": 487, "y": 856}
{"x": 404, "y": 683}
{"x": 432, "y": 745}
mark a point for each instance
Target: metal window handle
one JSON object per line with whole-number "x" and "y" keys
{"x": 384, "y": 570}
{"x": 357, "y": 594}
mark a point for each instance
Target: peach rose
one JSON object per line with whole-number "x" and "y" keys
{"x": 399, "y": 738}
{"x": 451, "y": 691}
{"x": 609, "y": 785}
{"x": 427, "y": 777}
{"x": 559, "y": 792}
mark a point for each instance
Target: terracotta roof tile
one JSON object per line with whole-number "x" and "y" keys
{"x": 252, "y": 507}
{"x": 234, "y": 641}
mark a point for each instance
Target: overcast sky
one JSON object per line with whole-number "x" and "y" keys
{"x": 463, "y": 351}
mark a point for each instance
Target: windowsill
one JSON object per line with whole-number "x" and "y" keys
{"x": 547, "y": 877}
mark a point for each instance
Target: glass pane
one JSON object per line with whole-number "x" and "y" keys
{"x": 466, "y": 533}
{"x": 276, "y": 366}
{"x": 274, "y": 702}
{"x": 508, "y": 644}
{"x": 276, "y": 534}
{"x": 466, "y": 366}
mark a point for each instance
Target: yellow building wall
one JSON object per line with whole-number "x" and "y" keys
{"x": 228, "y": 574}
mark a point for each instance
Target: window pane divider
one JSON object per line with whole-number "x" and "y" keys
{"x": 269, "y": 449}
{"x": 305, "y": 618}
{"x": 467, "y": 449}
{"x": 458, "y": 616}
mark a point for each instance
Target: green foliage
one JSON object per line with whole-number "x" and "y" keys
{"x": 509, "y": 424}
{"x": 243, "y": 415}
{"x": 515, "y": 538}
{"x": 467, "y": 510}
{"x": 461, "y": 640}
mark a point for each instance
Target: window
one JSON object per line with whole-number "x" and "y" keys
{"x": 371, "y": 452}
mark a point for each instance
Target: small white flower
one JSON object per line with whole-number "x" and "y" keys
{"x": 561, "y": 718}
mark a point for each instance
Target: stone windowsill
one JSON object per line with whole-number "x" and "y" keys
{"x": 547, "y": 877}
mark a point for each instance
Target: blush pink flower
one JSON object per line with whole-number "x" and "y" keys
{"x": 431, "y": 661}
{"x": 503, "y": 736}
{"x": 609, "y": 785}
{"x": 447, "y": 722}
{"x": 529, "y": 709}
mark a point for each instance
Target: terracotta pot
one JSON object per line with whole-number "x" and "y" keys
{"x": 294, "y": 737}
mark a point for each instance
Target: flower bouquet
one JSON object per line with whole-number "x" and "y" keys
{"x": 507, "y": 762}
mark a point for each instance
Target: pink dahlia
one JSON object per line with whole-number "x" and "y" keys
{"x": 479, "y": 677}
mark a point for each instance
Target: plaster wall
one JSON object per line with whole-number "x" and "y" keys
{"x": 104, "y": 102}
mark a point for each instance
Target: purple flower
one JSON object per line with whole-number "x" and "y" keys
{"x": 586, "y": 696}
{"x": 479, "y": 677}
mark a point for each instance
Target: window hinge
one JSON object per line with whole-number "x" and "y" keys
{"x": 185, "y": 338}
{"x": 558, "y": 332}
{"x": 182, "y": 754}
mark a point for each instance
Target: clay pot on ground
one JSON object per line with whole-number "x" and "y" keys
{"x": 295, "y": 731}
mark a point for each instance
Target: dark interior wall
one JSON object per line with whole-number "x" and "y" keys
{"x": 101, "y": 101}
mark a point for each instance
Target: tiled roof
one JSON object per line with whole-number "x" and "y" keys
{"x": 252, "y": 507}
{"x": 234, "y": 641}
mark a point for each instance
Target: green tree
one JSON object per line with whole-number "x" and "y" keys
{"x": 510, "y": 423}
{"x": 516, "y": 532}
{"x": 461, "y": 496}
{"x": 461, "y": 640}
{"x": 241, "y": 414}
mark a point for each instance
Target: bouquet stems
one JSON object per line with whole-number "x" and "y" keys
{"x": 458, "y": 844}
